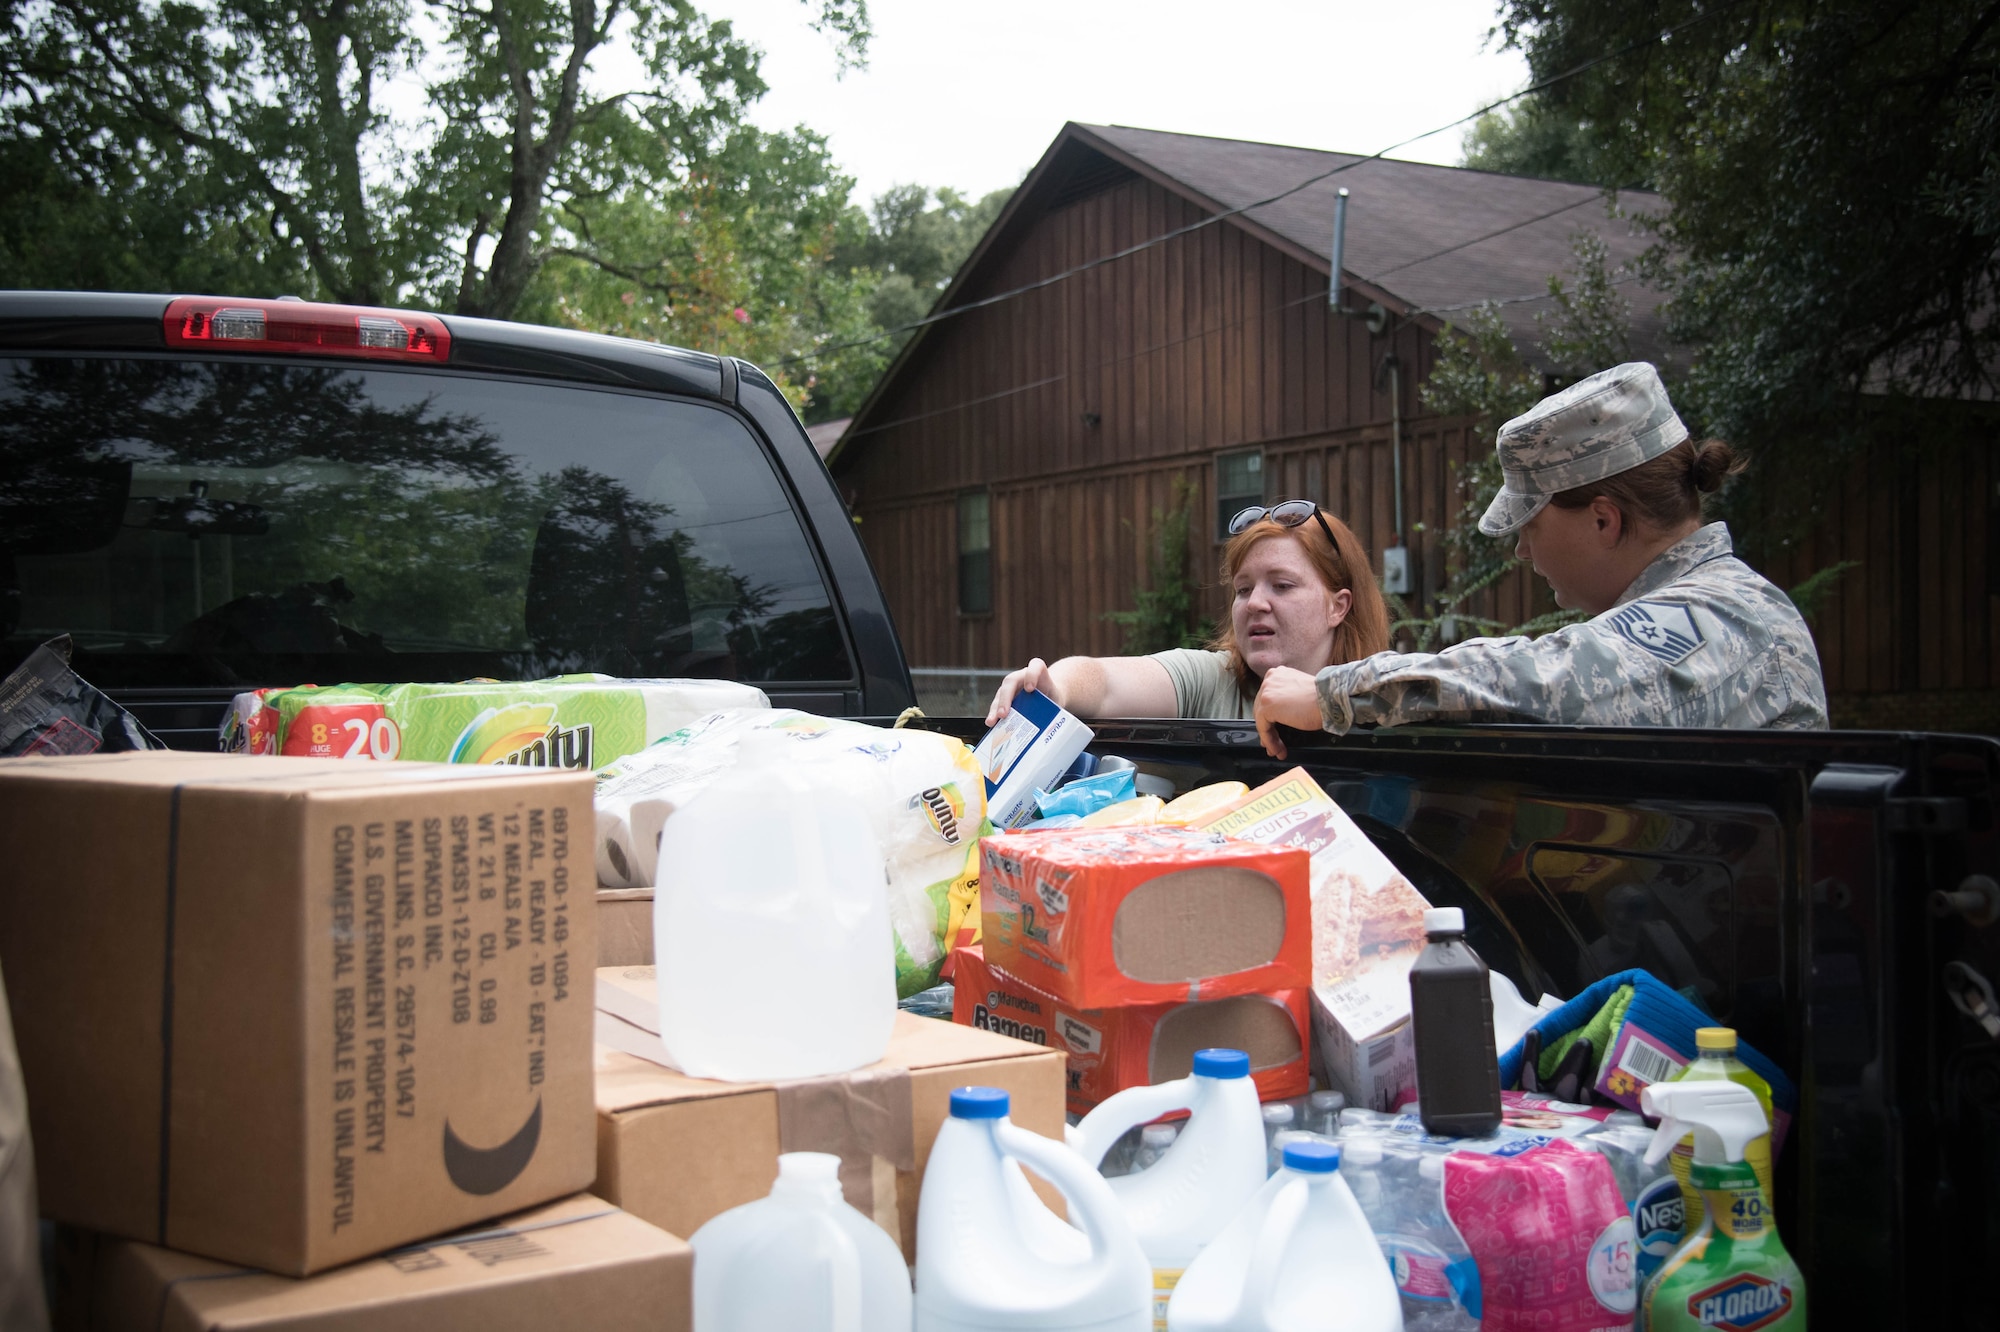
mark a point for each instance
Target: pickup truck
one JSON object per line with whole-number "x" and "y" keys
{"x": 212, "y": 513}
{"x": 211, "y": 495}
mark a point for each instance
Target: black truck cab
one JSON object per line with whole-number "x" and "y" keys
{"x": 212, "y": 495}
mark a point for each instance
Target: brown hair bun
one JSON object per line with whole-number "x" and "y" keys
{"x": 1714, "y": 463}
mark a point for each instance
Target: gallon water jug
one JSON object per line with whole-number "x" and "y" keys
{"x": 801, "y": 1259}
{"x": 1216, "y": 1163}
{"x": 1299, "y": 1258}
{"x": 771, "y": 924}
{"x": 991, "y": 1256}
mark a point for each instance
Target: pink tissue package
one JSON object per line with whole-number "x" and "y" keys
{"x": 1550, "y": 1232}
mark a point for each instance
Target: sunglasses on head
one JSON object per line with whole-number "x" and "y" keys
{"x": 1285, "y": 513}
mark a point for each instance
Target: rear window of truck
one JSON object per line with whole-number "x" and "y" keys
{"x": 237, "y": 522}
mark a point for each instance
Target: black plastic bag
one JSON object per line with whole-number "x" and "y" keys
{"x": 47, "y": 708}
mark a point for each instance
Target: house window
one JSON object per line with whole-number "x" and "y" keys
{"x": 975, "y": 553}
{"x": 1239, "y": 483}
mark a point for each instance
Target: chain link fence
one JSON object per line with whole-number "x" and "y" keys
{"x": 951, "y": 691}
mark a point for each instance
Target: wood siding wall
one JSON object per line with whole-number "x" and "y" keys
{"x": 1209, "y": 343}
{"x": 1215, "y": 341}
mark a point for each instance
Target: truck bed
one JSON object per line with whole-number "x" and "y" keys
{"x": 1784, "y": 880}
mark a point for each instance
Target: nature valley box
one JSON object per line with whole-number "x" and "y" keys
{"x": 292, "y": 1012}
{"x": 1367, "y": 929}
{"x": 578, "y": 1263}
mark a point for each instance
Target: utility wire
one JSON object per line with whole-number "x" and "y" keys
{"x": 1213, "y": 218}
{"x": 1479, "y": 240}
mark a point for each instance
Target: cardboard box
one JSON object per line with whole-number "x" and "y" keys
{"x": 1377, "y": 1072}
{"x": 291, "y": 1012}
{"x": 1110, "y": 1049}
{"x": 1101, "y": 918}
{"x": 1032, "y": 746}
{"x": 624, "y": 927}
{"x": 1367, "y": 929}
{"x": 578, "y": 1263}
{"x": 677, "y": 1151}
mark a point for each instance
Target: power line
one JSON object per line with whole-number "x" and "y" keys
{"x": 1478, "y": 240}
{"x": 1310, "y": 297}
{"x": 1213, "y": 218}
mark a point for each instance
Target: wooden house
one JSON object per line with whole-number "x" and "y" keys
{"x": 1151, "y": 316}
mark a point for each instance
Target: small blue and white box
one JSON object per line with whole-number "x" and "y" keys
{"x": 1032, "y": 746}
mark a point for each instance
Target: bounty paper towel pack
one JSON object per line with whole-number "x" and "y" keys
{"x": 921, "y": 791}
{"x": 568, "y": 721}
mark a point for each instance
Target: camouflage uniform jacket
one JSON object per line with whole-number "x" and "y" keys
{"x": 1698, "y": 640}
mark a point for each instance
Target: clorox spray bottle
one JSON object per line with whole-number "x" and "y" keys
{"x": 1216, "y": 1165}
{"x": 1733, "y": 1272}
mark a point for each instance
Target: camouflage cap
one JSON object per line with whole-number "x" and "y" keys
{"x": 1597, "y": 427}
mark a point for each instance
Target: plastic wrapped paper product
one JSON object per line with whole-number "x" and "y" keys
{"x": 47, "y": 708}
{"x": 1550, "y": 1232}
{"x": 568, "y": 721}
{"x": 922, "y": 791}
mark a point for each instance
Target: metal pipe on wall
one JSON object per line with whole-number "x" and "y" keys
{"x": 1339, "y": 255}
{"x": 1396, "y": 437}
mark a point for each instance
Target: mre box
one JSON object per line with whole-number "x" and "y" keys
{"x": 577, "y": 1263}
{"x": 676, "y": 1150}
{"x": 1105, "y": 917}
{"x": 292, "y": 1012}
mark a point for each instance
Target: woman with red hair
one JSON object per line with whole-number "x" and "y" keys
{"x": 1301, "y": 596}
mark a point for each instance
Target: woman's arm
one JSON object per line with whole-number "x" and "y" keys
{"x": 1093, "y": 687}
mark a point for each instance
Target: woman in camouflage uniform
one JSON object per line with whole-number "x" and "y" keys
{"x": 1605, "y": 491}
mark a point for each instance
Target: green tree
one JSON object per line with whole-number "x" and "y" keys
{"x": 259, "y": 129}
{"x": 1532, "y": 138}
{"x": 736, "y": 258}
{"x": 916, "y": 241}
{"x": 1481, "y": 374}
{"x": 1832, "y": 240}
{"x": 1163, "y": 616}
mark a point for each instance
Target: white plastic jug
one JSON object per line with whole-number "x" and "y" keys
{"x": 801, "y": 1259}
{"x": 1299, "y": 1258}
{"x": 991, "y": 1255}
{"x": 1215, "y": 1165}
{"x": 771, "y": 924}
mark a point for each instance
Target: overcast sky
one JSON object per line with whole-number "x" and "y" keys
{"x": 969, "y": 95}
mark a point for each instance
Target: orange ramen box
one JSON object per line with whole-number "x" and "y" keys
{"x": 1138, "y": 1045}
{"x": 1105, "y": 917}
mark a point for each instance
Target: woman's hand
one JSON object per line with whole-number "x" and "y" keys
{"x": 1287, "y": 698}
{"x": 1035, "y": 675}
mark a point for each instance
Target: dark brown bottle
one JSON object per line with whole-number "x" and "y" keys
{"x": 1451, "y": 1014}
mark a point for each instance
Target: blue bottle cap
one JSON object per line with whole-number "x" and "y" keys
{"x": 978, "y": 1103}
{"x": 1221, "y": 1064}
{"x": 1312, "y": 1158}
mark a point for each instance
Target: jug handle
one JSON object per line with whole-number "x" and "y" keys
{"x": 844, "y": 1278}
{"x": 1274, "y": 1236}
{"x": 1090, "y": 1198}
{"x": 1117, "y": 1115}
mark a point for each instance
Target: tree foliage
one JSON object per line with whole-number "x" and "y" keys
{"x": 916, "y": 241}
{"x": 254, "y": 142}
{"x": 1164, "y": 612}
{"x": 1480, "y": 373}
{"x": 266, "y": 147}
{"x": 1532, "y": 138}
{"x": 1832, "y": 173}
